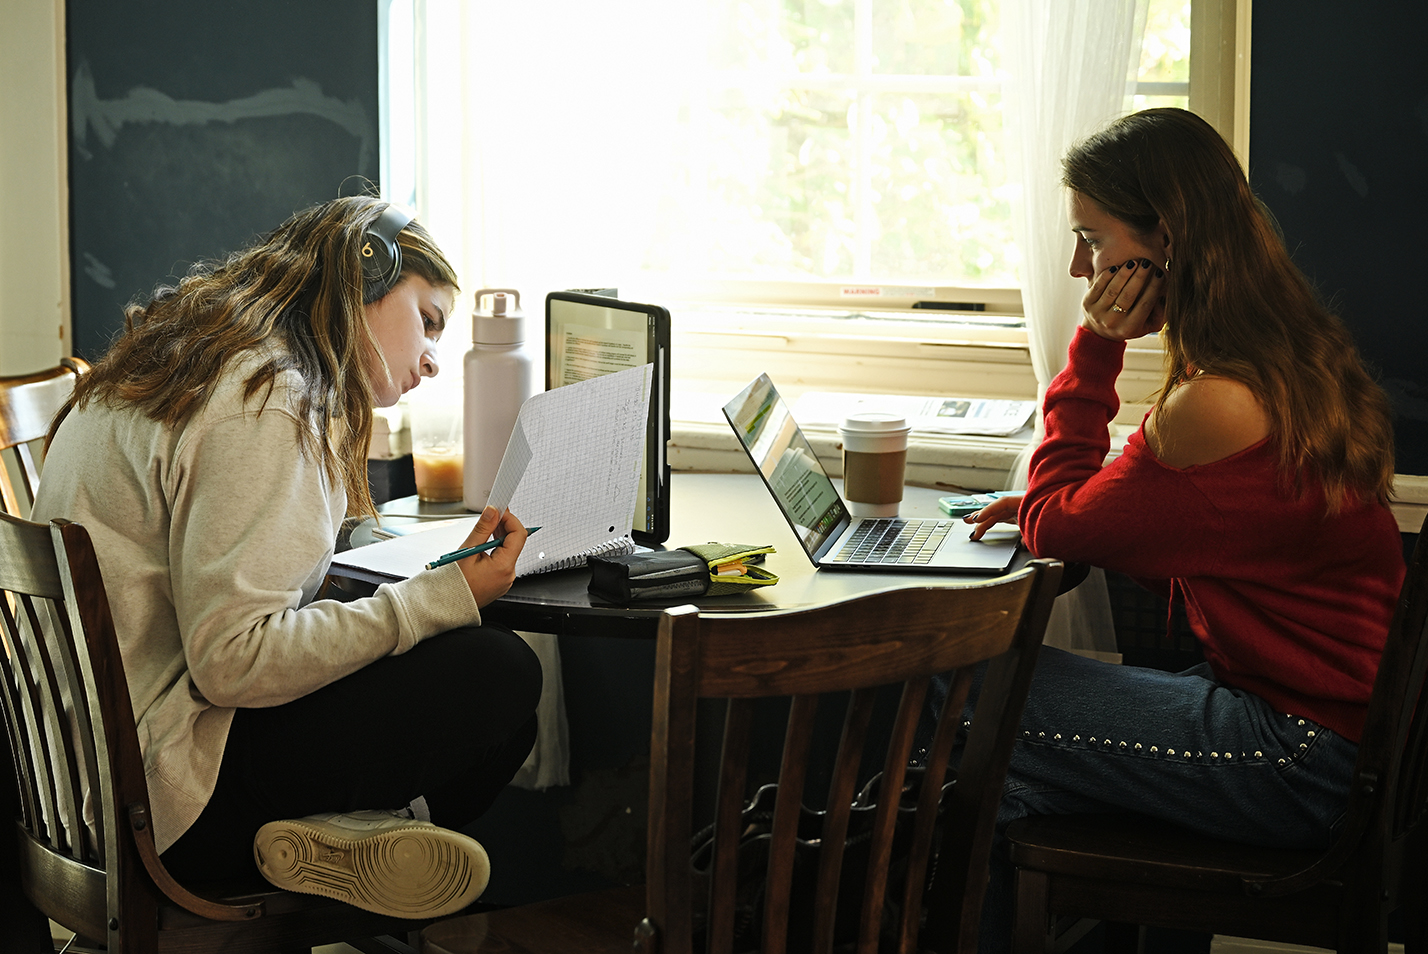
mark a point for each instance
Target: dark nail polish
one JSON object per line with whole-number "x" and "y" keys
{"x": 1130, "y": 264}
{"x": 1159, "y": 273}
{"x": 1145, "y": 263}
{"x": 1113, "y": 269}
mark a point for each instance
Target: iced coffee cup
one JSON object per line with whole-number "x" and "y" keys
{"x": 874, "y": 462}
{"x": 436, "y": 446}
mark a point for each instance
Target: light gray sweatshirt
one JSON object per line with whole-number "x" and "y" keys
{"x": 213, "y": 538}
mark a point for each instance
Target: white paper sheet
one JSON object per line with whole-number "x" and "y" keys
{"x": 572, "y": 468}
{"x": 938, "y": 415}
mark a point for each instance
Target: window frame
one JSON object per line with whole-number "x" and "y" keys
{"x": 1217, "y": 89}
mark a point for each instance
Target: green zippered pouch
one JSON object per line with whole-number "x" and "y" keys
{"x": 725, "y": 556}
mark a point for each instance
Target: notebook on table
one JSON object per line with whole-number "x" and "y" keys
{"x": 571, "y": 467}
{"x": 829, "y": 534}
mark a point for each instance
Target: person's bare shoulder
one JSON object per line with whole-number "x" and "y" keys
{"x": 1206, "y": 419}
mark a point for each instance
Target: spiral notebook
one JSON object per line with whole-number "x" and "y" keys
{"x": 572, "y": 468}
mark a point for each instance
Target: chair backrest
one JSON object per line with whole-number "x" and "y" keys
{"x": 1397, "y": 714}
{"x": 1390, "y": 788}
{"x": 844, "y": 652}
{"x": 87, "y": 854}
{"x": 28, "y": 403}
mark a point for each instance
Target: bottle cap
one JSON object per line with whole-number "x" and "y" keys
{"x": 498, "y": 329}
{"x": 501, "y": 324}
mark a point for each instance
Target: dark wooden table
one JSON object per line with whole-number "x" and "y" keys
{"x": 724, "y": 508}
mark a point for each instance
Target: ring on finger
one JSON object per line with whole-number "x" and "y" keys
{"x": 1115, "y": 307}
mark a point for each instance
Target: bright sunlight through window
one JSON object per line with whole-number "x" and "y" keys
{"x": 568, "y": 144}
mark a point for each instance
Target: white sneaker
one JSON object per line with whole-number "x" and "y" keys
{"x": 378, "y": 861}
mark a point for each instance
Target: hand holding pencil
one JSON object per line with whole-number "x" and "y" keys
{"x": 491, "y": 572}
{"x": 465, "y": 552}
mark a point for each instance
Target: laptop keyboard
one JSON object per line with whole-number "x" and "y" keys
{"x": 894, "y": 540}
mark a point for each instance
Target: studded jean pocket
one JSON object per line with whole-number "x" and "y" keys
{"x": 1181, "y": 746}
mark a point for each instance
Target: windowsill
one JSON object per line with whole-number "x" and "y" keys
{"x": 967, "y": 463}
{"x": 719, "y": 349}
{"x": 701, "y": 440}
{"x": 923, "y": 358}
{"x": 957, "y": 463}
{"x": 1410, "y": 502}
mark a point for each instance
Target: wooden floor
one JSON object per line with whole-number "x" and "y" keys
{"x": 60, "y": 936}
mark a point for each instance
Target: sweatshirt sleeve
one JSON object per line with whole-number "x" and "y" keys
{"x": 252, "y": 531}
{"x": 1135, "y": 515}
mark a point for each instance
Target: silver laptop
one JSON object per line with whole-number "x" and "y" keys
{"x": 830, "y": 536}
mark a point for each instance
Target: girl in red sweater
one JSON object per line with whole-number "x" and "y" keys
{"x": 1255, "y": 494}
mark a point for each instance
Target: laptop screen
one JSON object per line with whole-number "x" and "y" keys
{"x": 787, "y": 463}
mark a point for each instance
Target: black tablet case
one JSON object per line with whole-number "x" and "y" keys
{"x": 656, "y": 530}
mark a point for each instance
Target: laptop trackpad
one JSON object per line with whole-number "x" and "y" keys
{"x": 993, "y": 552}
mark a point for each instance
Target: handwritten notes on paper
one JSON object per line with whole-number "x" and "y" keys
{"x": 572, "y": 468}
{"x": 579, "y": 481}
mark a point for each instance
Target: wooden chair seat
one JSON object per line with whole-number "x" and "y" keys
{"x": 1131, "y": 870}
{"x": 1137, "y": 848}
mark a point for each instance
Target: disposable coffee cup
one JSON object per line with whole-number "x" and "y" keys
{"x": 874, "y": 462}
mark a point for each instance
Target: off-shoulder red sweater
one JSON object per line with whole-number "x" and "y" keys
{"x": 1288, "y": 602}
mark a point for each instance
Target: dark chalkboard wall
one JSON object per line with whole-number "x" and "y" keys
{"x": 1339, "y": 152}
{"x": 195, "y": 127}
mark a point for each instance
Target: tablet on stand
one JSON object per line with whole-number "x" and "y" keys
{"x": 588, "y": 335}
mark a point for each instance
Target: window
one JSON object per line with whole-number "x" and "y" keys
{"x": 838, "y": 164}
{"x": 822, "y": 141}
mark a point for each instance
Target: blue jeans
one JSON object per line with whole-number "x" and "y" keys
{"x": 1183, "y": 747}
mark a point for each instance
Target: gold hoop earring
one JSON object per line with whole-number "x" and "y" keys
{"x": 1167, "y": 264}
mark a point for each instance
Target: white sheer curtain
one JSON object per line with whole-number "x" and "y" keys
{"x": 1071, "y": 67}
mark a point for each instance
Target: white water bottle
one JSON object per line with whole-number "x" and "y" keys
{"x": 498, "y": 381}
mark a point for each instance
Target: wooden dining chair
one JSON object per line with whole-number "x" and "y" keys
{"x": 86, "y": 852}
{"x": 28, "y": 403}
{"x": 1132, "y": 870}
{"x": 843, "y": 686}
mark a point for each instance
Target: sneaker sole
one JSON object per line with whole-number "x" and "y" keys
{"x": 406, "y": 872}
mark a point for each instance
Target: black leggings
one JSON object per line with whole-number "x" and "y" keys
{"x": 451, "y": 720}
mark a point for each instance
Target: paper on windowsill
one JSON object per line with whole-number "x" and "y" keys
{"x": 938, "y": 415}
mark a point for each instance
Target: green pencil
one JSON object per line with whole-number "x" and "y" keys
{"x": 455, "y": 555}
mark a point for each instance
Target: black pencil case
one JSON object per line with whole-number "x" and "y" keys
{"x": 659, "y": 574}
{"x": 672, "y": 574}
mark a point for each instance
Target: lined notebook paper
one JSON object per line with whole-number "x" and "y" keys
{"x": 572, "y": 468}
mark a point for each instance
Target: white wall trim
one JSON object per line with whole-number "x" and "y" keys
{"x": 1242, "y": 945}
{"x": 34, "y": 245}
{"x": 1410, "y": 501}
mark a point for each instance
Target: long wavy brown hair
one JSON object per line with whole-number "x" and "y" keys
{"x": 301, "y": 287}
{"x": 1235, "y": 303}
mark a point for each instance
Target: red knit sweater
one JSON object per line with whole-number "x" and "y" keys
{"x": 1288, "y": 603}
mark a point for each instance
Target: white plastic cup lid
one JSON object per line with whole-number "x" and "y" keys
{"x": 875, "y": 422}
